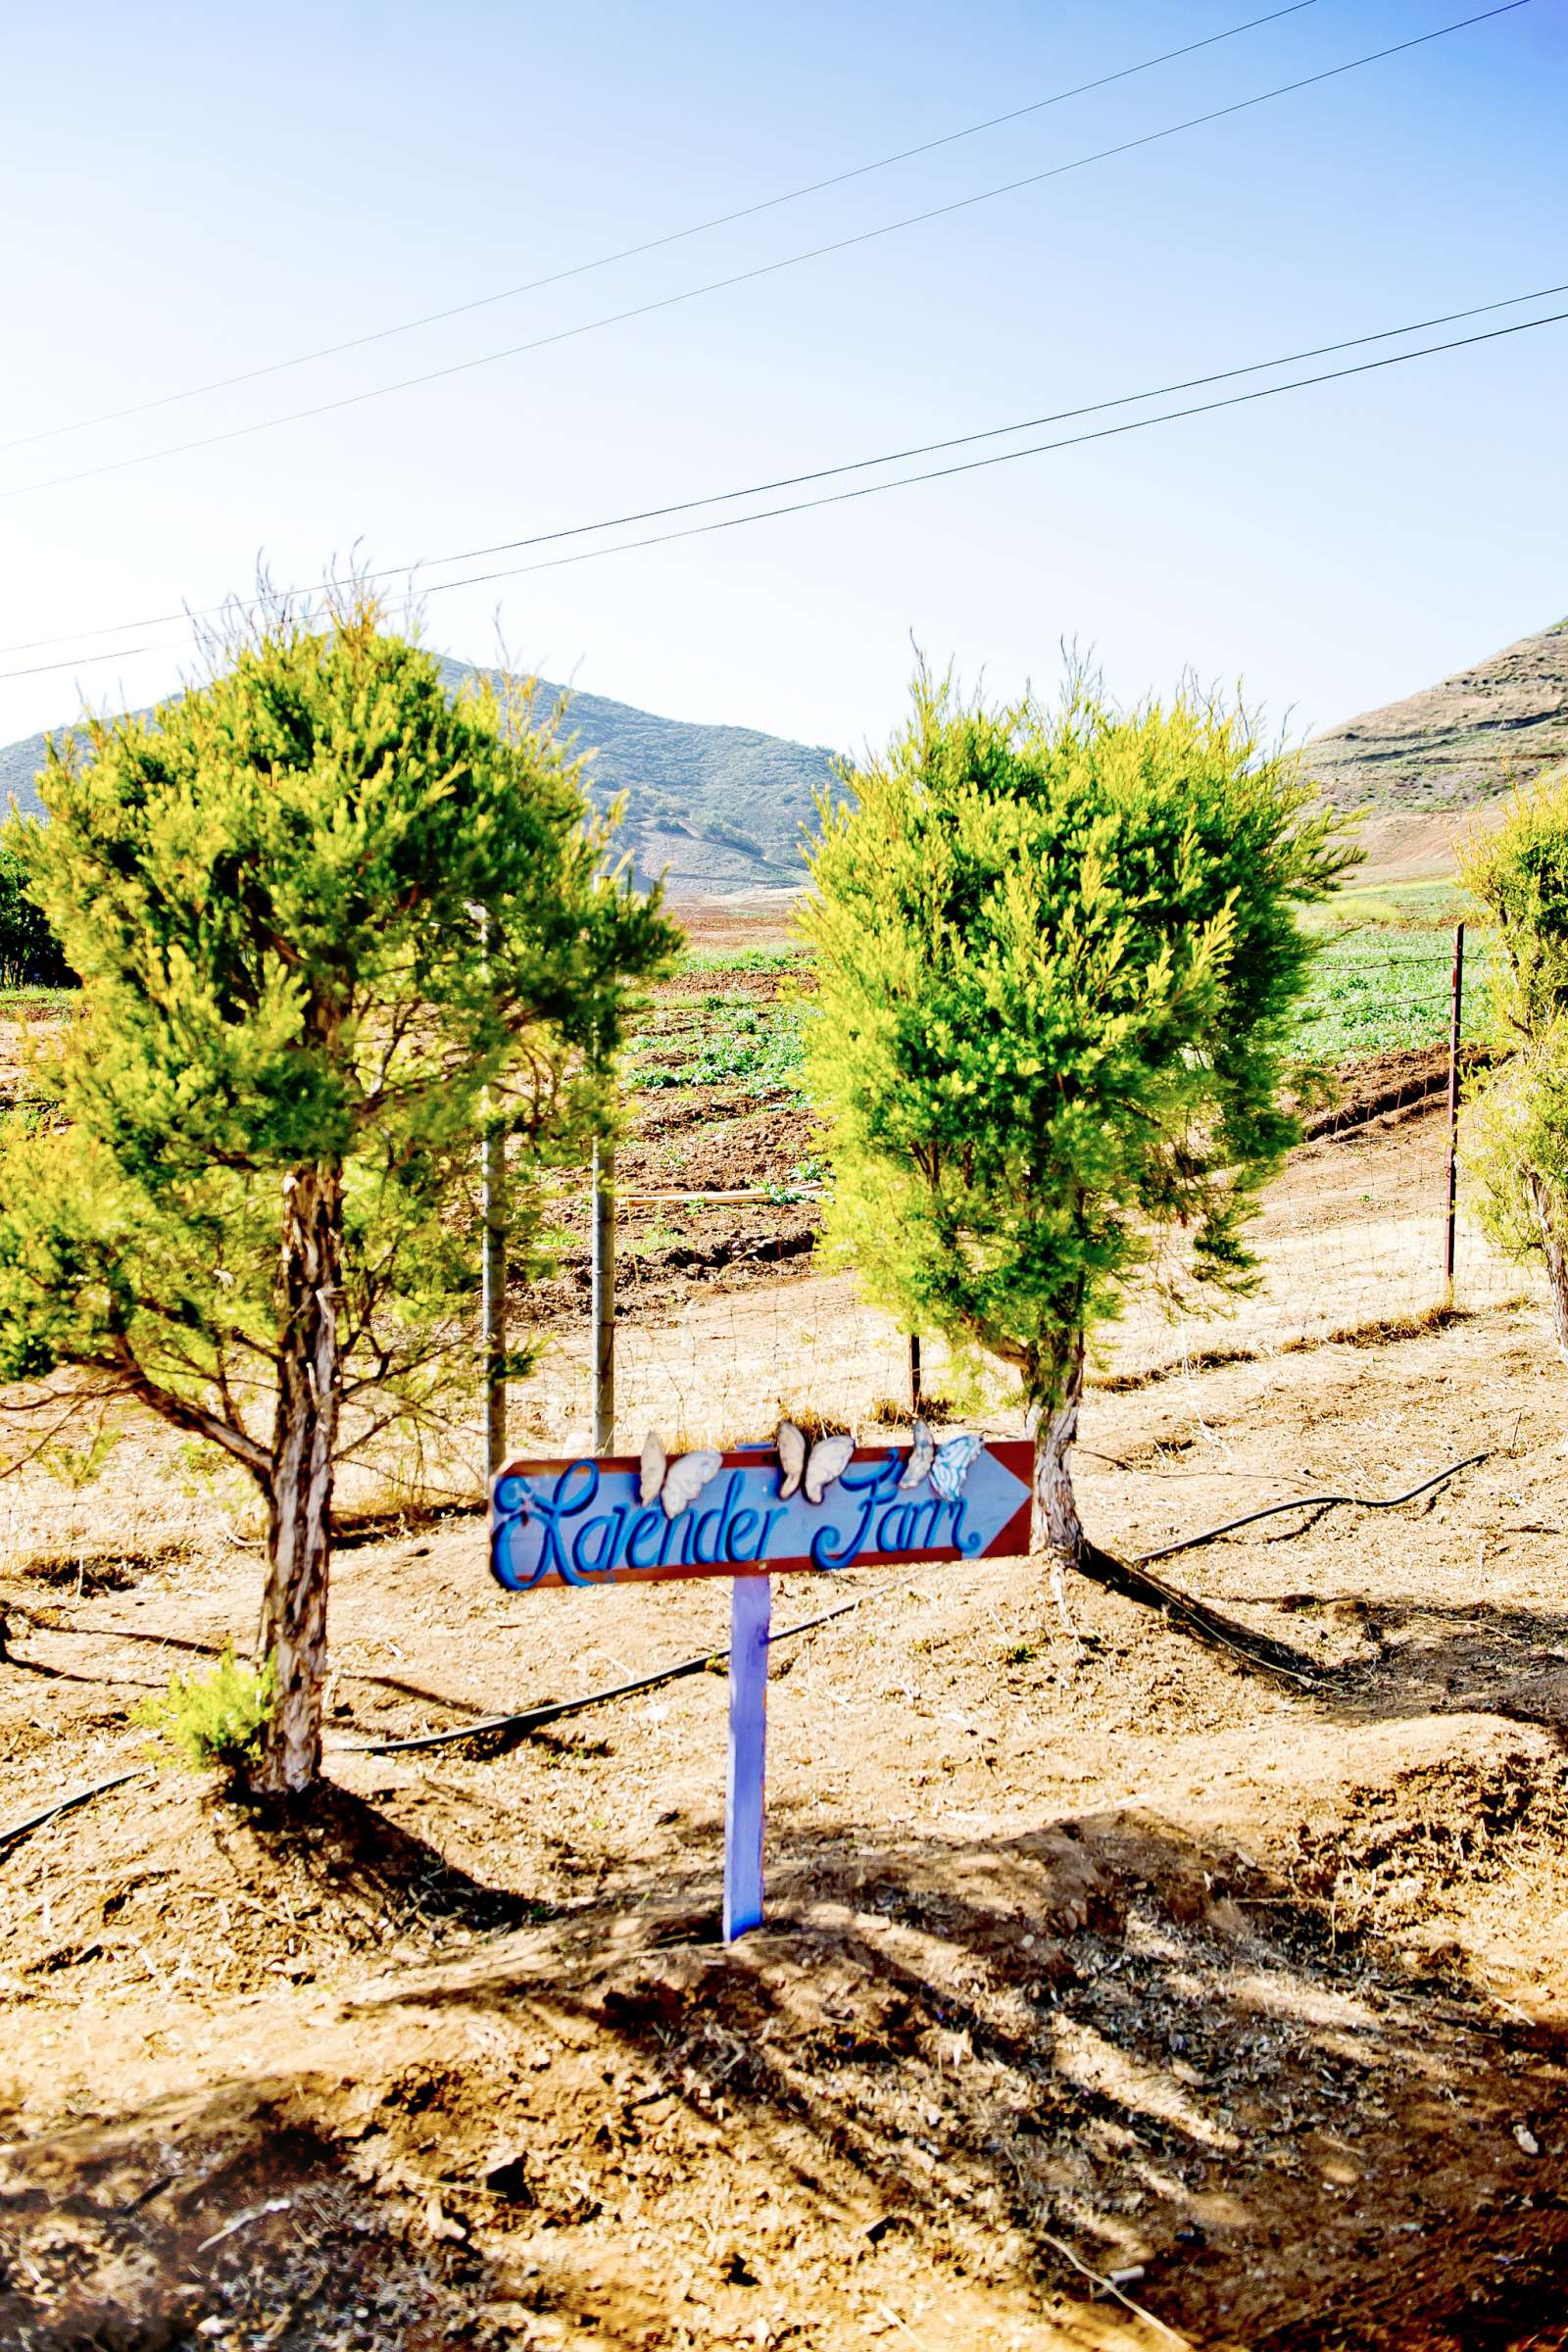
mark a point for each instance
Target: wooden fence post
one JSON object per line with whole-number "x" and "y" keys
{"x": 492, "y": 1262}
{"x": 1455, "y": 1010}
{"x": 493, "y": 1300}
{"x": 604, "y": 1297}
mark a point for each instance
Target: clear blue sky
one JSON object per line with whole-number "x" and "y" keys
{"x": 192, "y": 190}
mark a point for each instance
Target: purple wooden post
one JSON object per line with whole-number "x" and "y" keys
{"x": 750, "y": 1607}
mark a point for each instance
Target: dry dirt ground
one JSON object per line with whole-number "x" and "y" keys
{"x": 1084, "y": 1962}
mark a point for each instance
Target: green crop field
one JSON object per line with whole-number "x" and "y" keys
{"x": 1385, "y": 991}
{"x": 1380, "y": 985}
{"x": 1430, "y": 905}
{"x": 724, "y": 1041}
{"x": 35, "y": 1003}
{"x": 741, "y": 960}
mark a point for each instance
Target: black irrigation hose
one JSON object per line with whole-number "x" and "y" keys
{"x": 537, "y": 1719}
{"x": 67, "y": 1805}
{"x": 1313, "y": 1502}
{"x": 533, "y": 1719}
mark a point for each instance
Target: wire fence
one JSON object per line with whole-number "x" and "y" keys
{"x": 727, "y": 1367}
{"x": 1360, "y": 1233}
{"x": 1350, "y": 1238}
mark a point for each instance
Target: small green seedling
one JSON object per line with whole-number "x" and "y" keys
{"x": 212, "y": 1722}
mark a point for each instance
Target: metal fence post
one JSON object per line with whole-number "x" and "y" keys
{"x": 604, "y": 1297}
{"x": 1454, "y": 1011}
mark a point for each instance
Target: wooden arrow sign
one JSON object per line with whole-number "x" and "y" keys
{"x": 746, "y": 1515}
{"x": 580, "y": 1521}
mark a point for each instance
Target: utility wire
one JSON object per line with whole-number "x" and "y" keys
{"x": 763, "y": 270}
{"x": 1009, "y": 457}
{"x": 675, "y": 236}
{"x": 855, "y": 466}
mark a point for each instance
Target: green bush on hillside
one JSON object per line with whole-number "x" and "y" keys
{"x": 31, "y": 956}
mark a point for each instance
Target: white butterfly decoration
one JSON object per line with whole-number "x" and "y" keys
{"x": 791, "y": 1446}
{"x": 922, "y": 1453}
{"x": 947, "y": 1466}
{"x": 675, "y": 1484}
{"x": 812, "y": 1467}
{"x": 954, "y": 1462}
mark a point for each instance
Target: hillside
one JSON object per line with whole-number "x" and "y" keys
{"x": 1456, "y": 743}
{"x": 719, "y": 808}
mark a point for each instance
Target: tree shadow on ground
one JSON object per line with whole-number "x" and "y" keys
{"x": 1423, "y": 1657}
{"x": 340, "y": 1842}
{"x": 212, "y": 1895}
{"x": 221, "y": 2217}
{"x": 946, "y": 2066}
{"x": 943, "y": 2061}
{"x": 1103, "y": 2034}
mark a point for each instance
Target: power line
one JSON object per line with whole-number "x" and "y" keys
{"x": 763, "y": 270}
{"x": 1009, "y": 457}
{"x": 675, "y": 236}
{"x": 834, "y": 498}
{"x": 819, "y": 473}
{"x": 118, "y": 653}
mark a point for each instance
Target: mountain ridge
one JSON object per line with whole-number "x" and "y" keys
{"x": 719, "y": 810}
{"x": 1457, "y": 743}
{"x": 715, "y": 808}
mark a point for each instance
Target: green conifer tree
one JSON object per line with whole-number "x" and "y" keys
{"x": 330, "y": 921}
{"x": 1517, "y": 1137}
{"x": 29, "y": 953}
{"x": 1056, "y": 953}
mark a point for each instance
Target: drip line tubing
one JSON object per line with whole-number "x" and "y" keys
{"x": 533, "y": 1719}
{"x": 1313, "y": 1502}
{"x": 68, "y": 1804}
{"x": 537, "y": 1719}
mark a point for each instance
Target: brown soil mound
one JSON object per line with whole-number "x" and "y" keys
{"x": 245, "y": 1894}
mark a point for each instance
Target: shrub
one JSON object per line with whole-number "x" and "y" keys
{"x": 256, "y": 1214}
{"x": 211, "y": 1721}
{"x": 31, "y": 956}
{"x": 1518, "y": 1125}
{"x": 1057, "y": 957}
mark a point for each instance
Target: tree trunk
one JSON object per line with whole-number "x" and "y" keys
{"x": 1554, "y": 1250}
{"x": 300, "y": 1520}
{"x": 1057, "y": 1529}
{"x": 1058, "y": 1533}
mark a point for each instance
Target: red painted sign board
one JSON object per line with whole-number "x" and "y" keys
{"x": 582, "y": 1521}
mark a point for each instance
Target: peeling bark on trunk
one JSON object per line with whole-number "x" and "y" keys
{"x": 300, "y": 1519}
{"x": 1554, "y": 1250}
{"x": 1058, "y": 1533}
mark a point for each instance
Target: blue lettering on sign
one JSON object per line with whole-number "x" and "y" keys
{"x": 581, "y": 1523}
